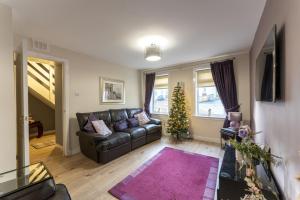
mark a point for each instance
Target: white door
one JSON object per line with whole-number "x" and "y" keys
{"x": 22, "y": 106}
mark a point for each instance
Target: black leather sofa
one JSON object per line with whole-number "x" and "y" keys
{"x": 103, "y": 150}
{"x": 46, "y": 190}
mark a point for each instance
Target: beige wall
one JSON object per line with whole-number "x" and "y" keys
{"x": 279, "y": 121}
{"x": 207, "y": 129}
{"x": 7, "y": 93}
{"x": 84, "y": 74}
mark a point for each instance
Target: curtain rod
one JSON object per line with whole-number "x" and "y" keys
{"x": 233, "y": 58}
{"x": 192, "y": 65}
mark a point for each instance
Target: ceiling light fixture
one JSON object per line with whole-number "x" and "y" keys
{"x": 153, "y": 53}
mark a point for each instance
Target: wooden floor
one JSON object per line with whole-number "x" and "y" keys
{"x": 87, "y": 180}
{"x": 43, "y": 153}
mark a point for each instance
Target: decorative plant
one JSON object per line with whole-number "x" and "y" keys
{"x": 253, "y": 187}
{"x": 178, "y": 123}
{"x": 251, "y": 151}
{"x": 251, "y": 154}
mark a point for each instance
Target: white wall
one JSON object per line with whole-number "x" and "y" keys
{"x": 207, "y": 129}
{"x": 280, "y": 121}
{"x": 7, "y": 93}
{"x": 84, "y": 74}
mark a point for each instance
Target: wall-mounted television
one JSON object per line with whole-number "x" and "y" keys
{"x": 267, "y": 70}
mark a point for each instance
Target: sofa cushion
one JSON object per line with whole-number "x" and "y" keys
{"x": 133, "y": 122}
{"x": 142, "y": 118}
{"x": 101, "y": 128}
{"x": 136, "y": 132}
{"x": 120, "y": 125}
{"x": 152, "y": 128}
{"x": 105, "y": 116}
{"x": 118, "y": 115}
{"x": 112, "y": 141}
{"x": 88, "y": 127}
{"x": 133, "y": 111}
{"x": 83, "y": 118}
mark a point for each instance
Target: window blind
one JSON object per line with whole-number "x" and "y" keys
{"x": 161, "y": 82}
{"x": 204, "y": 78}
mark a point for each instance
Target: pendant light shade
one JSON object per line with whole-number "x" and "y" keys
{"x": 153, "y": 53}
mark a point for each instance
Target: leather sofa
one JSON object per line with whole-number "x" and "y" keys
{"x": 103, "y": 150}
{"x": 46, "y": 190}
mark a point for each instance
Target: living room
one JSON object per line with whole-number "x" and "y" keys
{"x": 146, "y": 85}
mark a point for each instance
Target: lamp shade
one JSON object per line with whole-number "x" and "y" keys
{"x": 153, "y": 53}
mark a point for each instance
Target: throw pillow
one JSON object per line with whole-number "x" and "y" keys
{"x": 88, "y": 127}
{"x": 121, "y": 125}
{"x": 143, "y": 118}
{"x": 133, "y": 122}
{"x": 101, "y": 128}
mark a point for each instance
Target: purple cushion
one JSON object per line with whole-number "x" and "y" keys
{"x": 133, "y": 122}
{"x": 121, "y": 125}
{"x": 88, "y": 127}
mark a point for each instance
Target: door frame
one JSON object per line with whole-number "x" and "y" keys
{"x": 65, "y": 97}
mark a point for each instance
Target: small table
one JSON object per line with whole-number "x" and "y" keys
{"x": 19, "y": 179}
{"x": 39, "y": 126}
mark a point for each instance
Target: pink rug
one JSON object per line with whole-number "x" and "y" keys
{"x": 171, "y": 174}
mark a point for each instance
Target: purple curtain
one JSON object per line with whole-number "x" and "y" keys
{"x": 223, "y": 75}
{"x": 149, "y": 84}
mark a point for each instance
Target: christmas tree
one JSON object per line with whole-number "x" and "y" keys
{"x": 178, "y": 123}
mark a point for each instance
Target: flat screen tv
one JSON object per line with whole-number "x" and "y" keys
{"x": 267, "y": 70}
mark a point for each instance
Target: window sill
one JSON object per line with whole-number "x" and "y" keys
{"x": 164, "y": 114}
{"x": 210, "y": 118}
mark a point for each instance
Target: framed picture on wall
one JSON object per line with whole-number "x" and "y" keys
{"x": 112, "y": 91}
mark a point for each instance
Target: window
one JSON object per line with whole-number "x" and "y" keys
{"x": 208, "y": 103}
{"x": 160, "y": 95}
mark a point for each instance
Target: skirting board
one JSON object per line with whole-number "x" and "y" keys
{"x": 200, "y": 138}
{"x": 34, "y": 134}
{"x": 207, "y": 139}
{"x": 75, "y": 150}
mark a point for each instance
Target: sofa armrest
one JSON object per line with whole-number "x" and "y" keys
{"x": 61, "y": 193}
{"x": 154, "y": 121}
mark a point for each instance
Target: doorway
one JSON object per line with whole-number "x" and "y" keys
{"x": 22, "y": 56}
{"x": 44, "y": 108}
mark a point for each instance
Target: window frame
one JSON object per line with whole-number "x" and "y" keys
{"x": 152, "y": 97}
{"x": 196, "y": 114}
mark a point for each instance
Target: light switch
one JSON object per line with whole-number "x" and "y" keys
{"x": 76, "y": 94}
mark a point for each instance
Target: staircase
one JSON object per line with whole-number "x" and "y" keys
{"x": 41, "y": 80}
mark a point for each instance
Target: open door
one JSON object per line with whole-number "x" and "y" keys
{"x": 22, "y": 106}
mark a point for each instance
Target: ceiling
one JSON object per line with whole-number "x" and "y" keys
{"x": 112, "y": 30}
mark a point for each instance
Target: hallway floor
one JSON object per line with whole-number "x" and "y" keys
{"x": 44, "y": 153}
